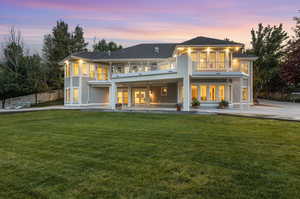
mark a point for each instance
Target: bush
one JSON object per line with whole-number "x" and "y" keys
{"x": 195, "y": 102}
{"x": 223, "y": 104}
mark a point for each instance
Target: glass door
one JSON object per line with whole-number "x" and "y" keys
{"x": 139, "y": 96}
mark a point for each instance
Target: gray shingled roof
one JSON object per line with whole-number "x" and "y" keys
{"x": 141, "y": 51}
{"x": 146, "y": 51}
{"x": 208, "y": 41}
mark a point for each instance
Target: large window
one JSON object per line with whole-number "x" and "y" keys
{"x": 92, "y": 71}
{"x": 75, "y": 95}
{"x": 245, "y": 94}
{"x": 122, "y": 97}
{"x": 84, "y": 69}
{"x": 222, "y": 92}
{"x": 212, "y": 92}
{"x": 221, "y": 60}
{"x": 245, "y": 68}
{"x": 203, "y": 60}
{"x": 102, "y": 72}
{"x": 75, "y": 69}
{"x": 212, "y": 60}
{"x": 68, "y": 95}
{"x": 68, "y": 70}
{"x": 203, "y": 91}
{"x": 194, "y": 92}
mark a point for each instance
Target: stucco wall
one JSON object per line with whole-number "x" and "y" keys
{"x": 171, "y": 95}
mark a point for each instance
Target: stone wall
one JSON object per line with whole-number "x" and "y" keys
{"x": 41, "y": 97}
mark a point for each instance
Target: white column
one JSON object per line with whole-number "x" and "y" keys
{"x": 207, "y": 92}
{"x": 251, "y": 82}
{"x": 241, "y": 92}
{"x": 129, "y": 96}
{"x": 186, "y": 93}
{"x": 112, "y": 95}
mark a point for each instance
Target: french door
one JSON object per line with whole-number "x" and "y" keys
{"x": 139, "y": 96}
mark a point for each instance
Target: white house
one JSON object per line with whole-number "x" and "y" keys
{"x": 161, "y": 74}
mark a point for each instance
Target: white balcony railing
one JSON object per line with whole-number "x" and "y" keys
{"x": 143, "y": 69}
{"x": 219, "y": 67}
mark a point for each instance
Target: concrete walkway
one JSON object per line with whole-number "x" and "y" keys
{"x": 267, "y": 109}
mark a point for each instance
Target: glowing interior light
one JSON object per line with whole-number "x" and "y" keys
{"x": 208, "y": 49}
{"x": 189, "y": 50}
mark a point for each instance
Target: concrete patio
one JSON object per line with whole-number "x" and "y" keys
{"x": 267, "y": 109}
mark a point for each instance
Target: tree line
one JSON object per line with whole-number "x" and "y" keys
{"x": 22, "y": 73}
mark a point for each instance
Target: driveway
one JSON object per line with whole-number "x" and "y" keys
{"x": 269, "y": 109}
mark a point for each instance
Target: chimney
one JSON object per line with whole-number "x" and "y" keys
{"x": 156, "y": 49}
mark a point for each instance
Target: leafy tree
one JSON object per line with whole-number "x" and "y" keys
{"x": 268, "y": 45}
{"x": 103, "y": 46}
{"x": 290, "y": 69}
{"x": 20, "y": 74}
{"x": 8, "y": 85}
{"x": 36, "y": 75}
{"x": 57, "y": 46}
{"x": 77, "y": 40}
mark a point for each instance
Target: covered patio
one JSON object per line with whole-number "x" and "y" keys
{"x": 153, "y": 95}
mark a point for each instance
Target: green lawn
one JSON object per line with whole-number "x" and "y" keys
{"x": 73, "y": 154}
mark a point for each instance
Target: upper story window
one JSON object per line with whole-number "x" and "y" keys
{"x": 84, "y": 69}
{"x": 245, "y": 67}
{"x": 68, "y": 70}
{"x": 209, "y": 60}
{"x": 92, "y": 71}
{"x": 102, "y": 72}
{"x": 75, "y": 69}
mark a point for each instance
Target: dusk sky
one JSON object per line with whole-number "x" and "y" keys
{"x": 135, "y": 21}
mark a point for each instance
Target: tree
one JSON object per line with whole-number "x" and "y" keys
{"x": 36, "y": 79}
{"x": 290, "y": 69}
{"x": 8, "y": 85}
{"x": 77, "y": 41}
{"x": 268, "y": 45}
{"x": 57, "y": 46}
{"x": 20, "y": 74}
{"x": 103, "y": 46}
{"x": 12, "y": 69}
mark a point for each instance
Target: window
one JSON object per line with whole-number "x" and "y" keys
{"x": 92, "y": 71}
{"x": 84, "y": 69}
{"x": 75, "y": 95}
{"x": 68, "y": 95}
{"x": 123, "y": 97}
{"x": 164, "y": 91}
{"x": 221, "y": 60}
{"x": 222, "y": 92}
{"x": 245, "y": 93}
{"x": 75, "y": 69}
{"x": 203, "y": 90}
{"x": 212, "y": 60}
{"x": 102, "y": 72}
{"x": 203, "y": 60}
{"x": 212, "y": 92}
{"x": 194, "y": 92}
{"x": 244, "y": 68}
{"x": 68, "y": 70}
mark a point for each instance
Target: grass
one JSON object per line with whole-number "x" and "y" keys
{"x": 73, "y": 154}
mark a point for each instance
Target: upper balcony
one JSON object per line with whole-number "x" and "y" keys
{"x": 134, "y": 69}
